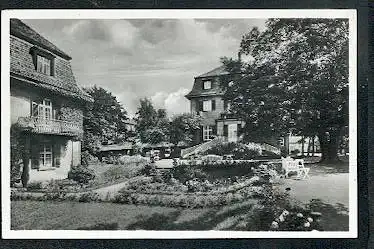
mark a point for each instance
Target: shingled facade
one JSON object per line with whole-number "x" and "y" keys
{"x": 46, "y": 104}
{"x": 206, "y": 99}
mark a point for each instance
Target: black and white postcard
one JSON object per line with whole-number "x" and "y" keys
{"x": 179, "y": 124}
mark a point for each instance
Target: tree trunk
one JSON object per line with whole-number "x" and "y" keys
{"x": 302, "y": 146}
{"x": 25, "y": 177}
{"x": 329, "y": 147}
{"x": 308, "y": 148}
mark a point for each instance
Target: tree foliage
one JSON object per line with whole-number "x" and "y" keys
{"x": 104, "y": 120}
{"x": 297, "y": 80}
{"x": 152, "y": 124}
{"x": 183, "y": 128}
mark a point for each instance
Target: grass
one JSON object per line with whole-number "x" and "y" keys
{"x": 33, "y": 215}
{"x": 27, "y": 215}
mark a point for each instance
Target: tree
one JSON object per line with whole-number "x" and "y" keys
{"x": 104, "y": 120}
{"x": 183, "y": 128}
{"x": 298, "y": 81}
{"x": 151, "y": 124}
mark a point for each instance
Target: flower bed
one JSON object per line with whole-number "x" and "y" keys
{"x": 191, "y": 194}
{"x": 212, "y": 171}
{"x": 165, "y": 190}
{"x": 188, "y": 200}
{"x": 145, "y": 191}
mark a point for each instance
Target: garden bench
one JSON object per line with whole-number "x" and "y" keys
{"x": 295, "y": 165}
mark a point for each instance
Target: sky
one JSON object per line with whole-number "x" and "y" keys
{"x": 153, "y": 58}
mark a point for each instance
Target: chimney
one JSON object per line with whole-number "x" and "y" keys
{"x": 239, "y": 56}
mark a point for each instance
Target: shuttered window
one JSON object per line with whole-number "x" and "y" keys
{"x": 207, "y": 105}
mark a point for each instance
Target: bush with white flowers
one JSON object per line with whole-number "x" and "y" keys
{"x": 296, "y": 220}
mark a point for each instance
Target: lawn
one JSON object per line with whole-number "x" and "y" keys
{"x": 33, "y": 215}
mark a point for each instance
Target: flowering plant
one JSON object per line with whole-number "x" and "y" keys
{"x": 296, "y": 221}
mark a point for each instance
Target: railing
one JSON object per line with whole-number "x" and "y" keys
{"x": 50, "y": 126}
{"x": 228, "y": 115}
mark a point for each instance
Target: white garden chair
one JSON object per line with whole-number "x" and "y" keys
{"x": 303, "y": 171}
{"x": 291, "y": 165}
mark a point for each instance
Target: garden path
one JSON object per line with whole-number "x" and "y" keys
{"x": 327, "y": 183}
{"x": 110, "y": 191}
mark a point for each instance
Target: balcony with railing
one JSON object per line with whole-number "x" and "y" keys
{"x": 50, "y": 126}
{"x": 228, "y": 115}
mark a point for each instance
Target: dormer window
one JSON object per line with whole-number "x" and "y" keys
{"x": 207, "y": 84}
{"x": 43, "y": 65}
{"x": 43, "y": 61}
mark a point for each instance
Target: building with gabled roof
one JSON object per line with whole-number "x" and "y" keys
{"x": 206, "y": 99}
{"x": 46, "y": 104}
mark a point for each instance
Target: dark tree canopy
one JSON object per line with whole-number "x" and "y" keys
{"x": 152, "y": 124}
{"x": 104, "y": 120}
{"x": 297, "y": 80}
{"x": 183, "y": 128}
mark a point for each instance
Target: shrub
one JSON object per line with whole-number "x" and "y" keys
{"x": 85, "y": 158}
{"x": 149, "y": 169}
{"x": 89, "y": 197}
{"x": 17, "y": 155}
{"x": 54, "y": 196}
{"x": 35, "y": 185}
{"x": 114, "y": 172}
{"x": 239, "y": 151}
{"x": 184, "y": 173}
{"x": 81, "y": 174}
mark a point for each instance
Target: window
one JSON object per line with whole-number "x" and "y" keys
{"x": 45, "y": 155}
{"x": 42, "y": 109}
{"x": 207, "y": 105}
{"x": 207, "y": 133}
{"x": 207, "y": 84}
{"x": 43, "y": 65}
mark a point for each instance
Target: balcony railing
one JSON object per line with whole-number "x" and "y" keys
{"x": 228, "y": 115}
{"x": 50, "y": 126}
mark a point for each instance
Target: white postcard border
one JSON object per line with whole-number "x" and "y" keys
{"x": 7, "y": 233}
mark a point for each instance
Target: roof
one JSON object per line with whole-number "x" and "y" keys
{"x": 215, "y": 72}
{"x": 116, "y": 147}
{"x": 159, "y": 145}
{"x": 22, "y": 67}
{"x": 21, "y": 30}
{"x": 215, "y": 90}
